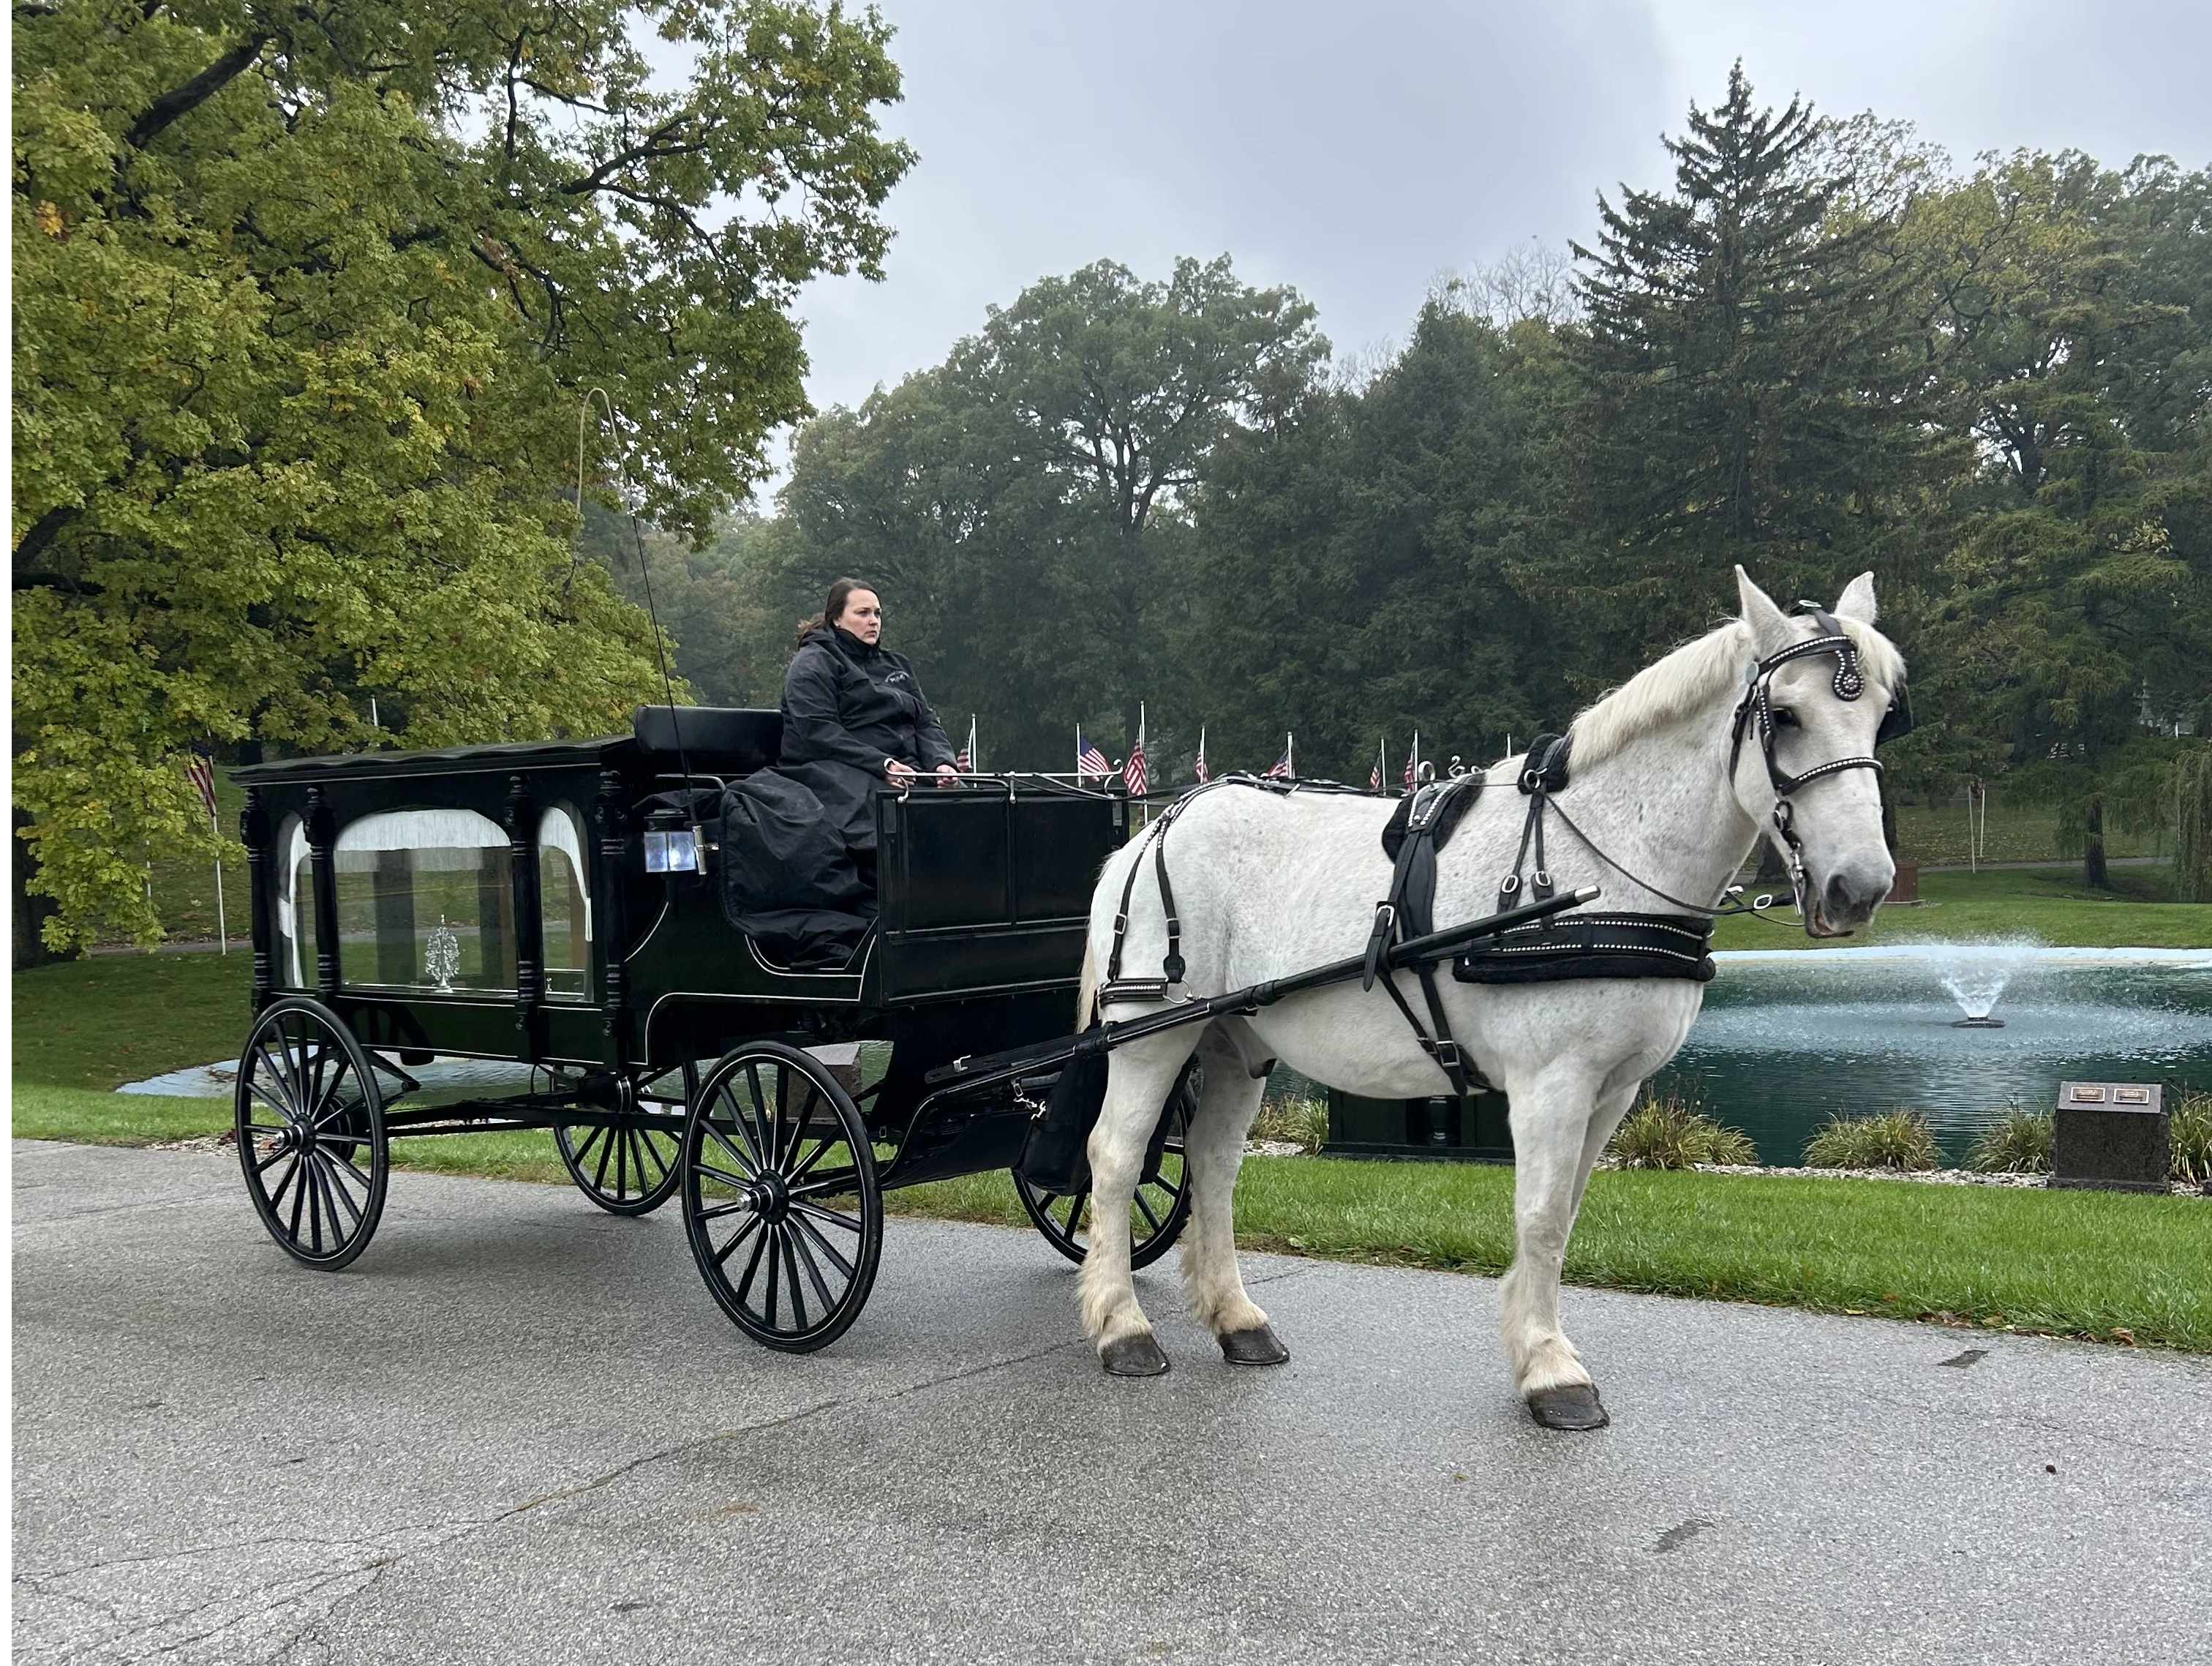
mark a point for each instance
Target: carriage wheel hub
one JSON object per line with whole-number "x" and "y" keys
{"x": 771, "y": 1199}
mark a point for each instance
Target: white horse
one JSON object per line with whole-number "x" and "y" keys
{"x": 1268, "y": 884}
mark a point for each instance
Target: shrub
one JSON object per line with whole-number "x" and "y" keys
{"x": 2018, "y": 1142}
{"x": 1894, "y": 1139}
{"x": 2189, "y": 1129}
{"x": 1673, "y": 1134}
{"x": 1302, "y": 1122}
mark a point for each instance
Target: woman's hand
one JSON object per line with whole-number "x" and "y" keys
{"x": 901, "y": 773}
{"x": 946, "y": 774}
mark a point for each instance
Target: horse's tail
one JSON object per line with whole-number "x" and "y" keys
{"x": 1086, "y": 988}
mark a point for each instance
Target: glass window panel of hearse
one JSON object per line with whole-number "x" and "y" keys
{"x": 295, "y": 906}
{"x": 426, "y": 901}
{"x": 564, "y": 904}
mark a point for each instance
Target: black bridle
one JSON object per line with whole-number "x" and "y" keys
{"x": 1756, "y": 711}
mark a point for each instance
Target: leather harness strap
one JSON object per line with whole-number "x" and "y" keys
{"x": 1172, "y": 967}
{"x": 1405, "y": 913}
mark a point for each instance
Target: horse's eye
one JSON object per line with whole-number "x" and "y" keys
{"x": 1785, "y": 718}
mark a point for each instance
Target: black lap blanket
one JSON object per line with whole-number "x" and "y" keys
{"x": 788, "y": 880}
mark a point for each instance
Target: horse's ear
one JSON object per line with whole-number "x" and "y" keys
{"x": 1858, "y": 600}
{"x": 1770, "y": 625}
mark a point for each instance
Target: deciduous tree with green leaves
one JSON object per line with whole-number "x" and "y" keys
{"x": 306, "y": 303}
{"x": 1025, "y": 503}
{"x": 2072, "y": 631}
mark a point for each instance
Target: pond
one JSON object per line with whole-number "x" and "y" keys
{"x": 1789, "y": 1036}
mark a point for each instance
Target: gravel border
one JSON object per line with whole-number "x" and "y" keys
{"x": 1935, "y": 1177}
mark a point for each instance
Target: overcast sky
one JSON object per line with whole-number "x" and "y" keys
{"x": 1358, "y": 150}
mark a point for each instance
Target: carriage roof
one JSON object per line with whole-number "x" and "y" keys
{"x": 714, "y": 739}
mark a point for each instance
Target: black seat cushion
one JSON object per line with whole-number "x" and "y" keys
{"x": 725, "y": 740}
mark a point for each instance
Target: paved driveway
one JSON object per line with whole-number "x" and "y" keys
{"x": 518, "y": 1429}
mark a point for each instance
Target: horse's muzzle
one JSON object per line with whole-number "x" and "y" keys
{"x": 1849, "y": 898}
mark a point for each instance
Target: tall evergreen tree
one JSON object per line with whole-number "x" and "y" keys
{"x": 1751, "y": 380}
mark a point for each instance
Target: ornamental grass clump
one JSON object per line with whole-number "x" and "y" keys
{"x": 2018, "y": 1142}
{"x": 1894, "y": 1139}
{"x": 1301, "y": 1122}
{"x": 2189, "y": 1129}
{"x": 1673, "y": 1134}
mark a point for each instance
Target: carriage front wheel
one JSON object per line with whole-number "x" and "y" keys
{"x": 779, "y": 1196}
{"x": 1158, "y": 1212}
{"x": 310, "y": 1121}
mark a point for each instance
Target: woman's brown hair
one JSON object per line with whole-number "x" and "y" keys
{"x": 834, "y": 609}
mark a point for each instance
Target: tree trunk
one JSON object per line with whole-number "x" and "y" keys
{"x": 31, "y": 910}
{"x": 2093, "y": 847}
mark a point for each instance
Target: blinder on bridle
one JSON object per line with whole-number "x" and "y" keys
{"x": 1757, "y": 709}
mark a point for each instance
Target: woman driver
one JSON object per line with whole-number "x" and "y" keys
{"x": 853, "y": 716}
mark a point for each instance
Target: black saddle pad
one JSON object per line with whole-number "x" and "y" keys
{"x": 1452, "y": 799}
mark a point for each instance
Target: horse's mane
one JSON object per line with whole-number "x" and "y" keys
{"x": 1692, "y": 676}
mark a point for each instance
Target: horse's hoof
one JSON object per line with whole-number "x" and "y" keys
{"x": 1259, "y": 1346}
{"x": 1574, "y": 1406}
{"x": 1133, "y": 1356}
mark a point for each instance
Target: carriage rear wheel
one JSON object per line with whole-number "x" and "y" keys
{"x": 780, "y": 1197}
{"x": 1158, "y": 1212}
{"x": 309, "y": 1117}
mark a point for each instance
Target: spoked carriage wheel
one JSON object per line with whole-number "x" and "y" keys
{"x": 1158, "y": 1212}
{"x": 310, "y": 1121}
{"x": 627, "y": 1168}
{"x": 780, "y": 1197}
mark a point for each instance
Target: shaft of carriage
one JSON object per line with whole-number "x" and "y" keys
{"x": 969, "y": 1074}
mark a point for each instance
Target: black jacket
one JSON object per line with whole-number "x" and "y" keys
{"x": 847, "y": 707}
{"x": 848, "y": 701}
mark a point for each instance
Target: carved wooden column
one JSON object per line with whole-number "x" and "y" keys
{"x": 322, "y": 837}
{"x": 262, "y": 877}
{"x": 612, "y": 824}
{"x": 529, "y": 924}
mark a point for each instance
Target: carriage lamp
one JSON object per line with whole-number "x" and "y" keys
{"x": 675, "y": 850}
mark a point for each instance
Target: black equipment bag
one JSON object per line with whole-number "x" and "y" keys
{"x": 1056, "y": 1157}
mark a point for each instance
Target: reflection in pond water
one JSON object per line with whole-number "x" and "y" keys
{"x": 1789, "y": 1036}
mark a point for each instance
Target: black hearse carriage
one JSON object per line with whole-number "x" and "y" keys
{"x": 555, "y": 904}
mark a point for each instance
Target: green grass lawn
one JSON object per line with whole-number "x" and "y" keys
{"x": 2048, "y": 904}
{"x": 2071, "y": 1263}
{"x": 111, "y": 1019}
{"x": 2011, "y": 833}
{"x": 2077, "y": 1263}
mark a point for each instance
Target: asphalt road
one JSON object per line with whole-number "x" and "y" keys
{"x": 518, "y": 1430}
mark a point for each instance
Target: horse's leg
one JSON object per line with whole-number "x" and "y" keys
{"x": 1552, "y": 1119}
{"x": 1612, "y": 1106}
{"x": 1213, "y": 1148}
{"x": 1139, "y": 1079}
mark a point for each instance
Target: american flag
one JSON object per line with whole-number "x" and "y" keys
{"x": 1413, "y": 762}
{"x": 1133, "y": 772}
{"x": 1282, "y": 768}
{"x": 1203, "y": 776}
{"x": 1375, "y": 776}
{"x": 964, "y": 760}
{"x": 1089, "y": 760}
{"x": 202, "y": 770}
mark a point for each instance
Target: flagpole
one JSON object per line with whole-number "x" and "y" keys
{"x": 222, "y": 923}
